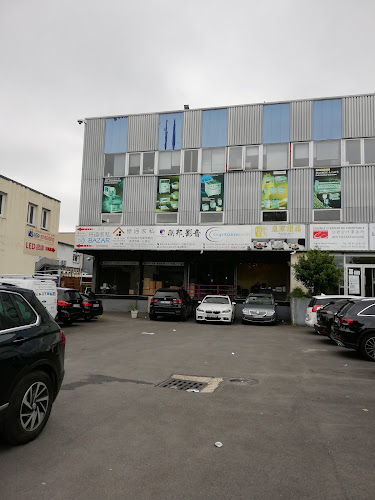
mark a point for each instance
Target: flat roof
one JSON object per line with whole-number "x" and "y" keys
{"x": 226, "y": 107}
{"x": 29, "y": 188}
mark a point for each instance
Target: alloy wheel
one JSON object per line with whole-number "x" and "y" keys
{"x": 370, "y": 347}
{"x": 34, "y": 406}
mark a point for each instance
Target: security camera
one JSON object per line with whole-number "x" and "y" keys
{"x": 80, "y": 121}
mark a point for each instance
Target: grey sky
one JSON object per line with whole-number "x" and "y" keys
{"x": 62, "y": 60}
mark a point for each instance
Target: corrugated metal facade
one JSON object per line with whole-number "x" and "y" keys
{"x": 300, "y": 195}
{"x": 358, "y": 116}
{"x": 358, "y": 193}
{"x": 192, "y": 129}
{"x": 189, "y": 199}
{"x": 300, "y": 121}
{"x": 139, "y": 200}
{"x": 143, "y": 133}
{"x": 245, "y": 125}
{"x": 243, "y": 197}
{"x": 92, "y": 173}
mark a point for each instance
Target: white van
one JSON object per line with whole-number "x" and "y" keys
{"x": 44, "y": 289}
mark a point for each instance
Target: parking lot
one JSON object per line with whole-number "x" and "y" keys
{"x": 302, "y": 426}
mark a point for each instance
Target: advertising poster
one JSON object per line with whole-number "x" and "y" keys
{"x": 113, "y": 189}
{"x": 167, "y": 195}
{"x": 372, "y": 236}
{"x": 290, "y": 237}
{"x": 212, "y": 193}
{"x": 327, "y": 188}
{"x": 275, "y": 190}
{"x": 339, "y": 236}
{"x": 40, "y": 243}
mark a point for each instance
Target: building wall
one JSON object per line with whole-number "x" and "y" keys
{"x": 13, "y": 226}
{"x": 65, "y": 253}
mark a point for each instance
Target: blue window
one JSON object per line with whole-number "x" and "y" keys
{"x": 170, "y": 131}
{"x": 116, "y": 135}
{"x": 214, "y": 128}
{"x": 276, "y": 123}
{"x": 327, "y": 119}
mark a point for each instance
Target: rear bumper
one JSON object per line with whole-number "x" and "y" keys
{"x": 65, "y": 314}
{"x": 92, "y": 312}
{"x": 158, "y": 311}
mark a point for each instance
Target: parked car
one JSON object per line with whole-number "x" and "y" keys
{"x": 259, "y": 308}
{"x": 354, "y": 327}
{"x": 69, "y": 305}
{"x": 171, "y": 302}
{"x": 215, "y": 308}
{"x": 319, "y": 301}
{"x": 32, "y": 350}
{"x": 91, "y": 306}
{"x": 326, "y": 315}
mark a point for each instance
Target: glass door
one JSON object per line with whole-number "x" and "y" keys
{"x": 369, "y": 282}
{"x": 354, "y": 281}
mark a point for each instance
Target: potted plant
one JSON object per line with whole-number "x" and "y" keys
{"x": 133, "y": 311}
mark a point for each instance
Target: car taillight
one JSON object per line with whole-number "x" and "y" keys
{"x": 346, "y": 321}
{"x": 315, "y": 308}
{"x": 154, "y": 300}
{"x": 63, "y": 303}
{"x": 62, "y": 338}
{"x": 100, "y": 303}
{"x": 87, "y": 304}
{"x": 177, "y": 301}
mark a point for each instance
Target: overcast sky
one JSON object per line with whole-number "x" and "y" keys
{"x": 67, "y": 59}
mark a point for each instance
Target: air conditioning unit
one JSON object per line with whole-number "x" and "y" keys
{"x": 63, "y": 262}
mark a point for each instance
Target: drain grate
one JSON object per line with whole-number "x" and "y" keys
{"x": 182, "y": 385}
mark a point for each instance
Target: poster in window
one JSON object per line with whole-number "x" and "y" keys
{"x": 212, "y": 193}
{"x": 168, "y": 193}
{"x": 113, "y": 190}
{"x": 275, "y": 190}
{"x": 327, "y": 188}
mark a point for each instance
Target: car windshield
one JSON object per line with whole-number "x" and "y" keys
{"x": 260, "y": 299}
{"x": 216, "y": 300}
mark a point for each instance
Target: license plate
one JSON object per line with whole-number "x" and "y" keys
{"x": 96, "y": 305}
{"x": 166, "y": 302}
{"x": 212, "y": 316}
{"x": 76, "y": 305}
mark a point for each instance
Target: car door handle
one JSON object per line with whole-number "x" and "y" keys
{"x": 19, "y": 340}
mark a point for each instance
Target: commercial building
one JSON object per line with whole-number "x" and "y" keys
{"x": 224, "y": 199}
{"x": 29, "y": 222}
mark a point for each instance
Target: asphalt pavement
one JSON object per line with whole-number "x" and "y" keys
{"x": 301, "y": 427}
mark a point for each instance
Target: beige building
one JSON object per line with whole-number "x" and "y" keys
{"x": 29, "y": 223}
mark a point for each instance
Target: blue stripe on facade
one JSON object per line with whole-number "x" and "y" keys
{"x": 276, "y": 123}
{"x": 327, "y": 119}
{"x": 214, "y": 128}
{"x": 116, "y": 135}
{"x": 170, "y": 131}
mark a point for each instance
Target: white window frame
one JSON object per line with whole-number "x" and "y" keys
{"x": 199, "y": 160}
{"x": 124, "y": 166}
{"x": 48, "y": 215}
{"x": 76, "y": 258}
{"x": 2, "y": 204}
{"x": 242, "y": 159}
{"x": 328, "y": 166}
{"x": 363, "y": 157}
{"x": 225, "y": 161}
{"x": 28, "y": 213}
{"x": 156, "y": 169}
{"x": 261, "y": 151}
{"x": 292, "y": 154}
{"x": 260, "y": 157}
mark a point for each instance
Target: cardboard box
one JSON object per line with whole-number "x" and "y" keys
{"x": 146, "y": 291}
{"x": 146, "y": 283}
{"x": 159, "y": 284}
{"x": 152, "y": 284}
{"x": 131, "y": 292}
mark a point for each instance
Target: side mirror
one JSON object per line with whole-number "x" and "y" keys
{"x": 199, "y": 302}
{"x": 233, "y": 303}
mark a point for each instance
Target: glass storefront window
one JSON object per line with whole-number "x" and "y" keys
{"x": 118, "y": 279}
{"x": 159, "y": 275}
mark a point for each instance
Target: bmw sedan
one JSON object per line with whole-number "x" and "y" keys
{"x": 215, "y": 308}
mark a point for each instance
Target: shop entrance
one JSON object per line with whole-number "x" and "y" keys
{"x": 212, "y": 277}
{"x": 162, "y": 275}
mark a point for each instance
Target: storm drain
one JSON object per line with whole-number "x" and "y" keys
{"x": 186, "y": 382}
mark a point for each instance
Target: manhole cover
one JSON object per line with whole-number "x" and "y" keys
{"x": 248, "y": 381}
{"x": 182, "y": 385}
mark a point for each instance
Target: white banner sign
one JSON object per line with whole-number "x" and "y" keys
{"x": 339, "y": 236}
{"x": 372, "y": 236}
{"x": 279, "y": 237}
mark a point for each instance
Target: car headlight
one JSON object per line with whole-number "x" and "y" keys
{"x": 200, "y": 310}
{"x": 246, "y": 311}
{"x": 270, "y": 313}
{"x": 227, "y": 310}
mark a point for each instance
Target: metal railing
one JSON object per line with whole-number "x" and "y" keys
{"x": 200, "y": 291}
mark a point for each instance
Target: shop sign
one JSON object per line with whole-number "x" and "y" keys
{"x": 327, "y": 188}
{"x": 212, "y": 193}
{"x": 275, "y": 190}
{"x": 339, "y": 236}
{"x": 372, "y": 236}
{"x": 167, "y": 195}
{"x": 40, "y": 243}
{"x": 279, "y": 237}
{"x": 113, "y": 189}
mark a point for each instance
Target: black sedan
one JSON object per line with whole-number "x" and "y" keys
{"x": 354, "y": 327}
{"x": 91, "y": 306}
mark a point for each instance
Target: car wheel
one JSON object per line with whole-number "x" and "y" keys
{"x": 367, "y": 347}
{"x": 152, "y": 316}
{"x": 29, "y": 408}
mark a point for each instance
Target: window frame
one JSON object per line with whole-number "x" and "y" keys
{"x": 242, "y": 159}
{"x": 339, "y": 164}
{"x": 288, "y": 159}
{"x": 22, "y": 327}
{"x": 260, "y": 157}
{"x": 309, "y": 153}
{"x": 48, "y": 215}
{"x": 123, "y": 166}
{"x": 199, "y": 160}
{"x": 286, "y": 221}
{"x": 365, "y": 309}
{"x": 225, "y": 161}
{"x": 345, "y": 161}
{"x": 157, "y": 168}
{"x": 3, "y": 197}
{"x": 76, "y": 258}
{"x": 364, "y": 155}
{"x": 28, "y": 214}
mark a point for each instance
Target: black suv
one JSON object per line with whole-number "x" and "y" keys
{"x": 32, "y": 348}
{"x": 354, "y": 327}
{"x": 69, "y": 305}
{"x": 325, "y": 317}
{"x": 171, "y": 302}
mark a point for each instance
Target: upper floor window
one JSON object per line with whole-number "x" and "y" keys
{"x": 353, "y": 151}
{"x": 327, "y": 153}
{"x": 134, "y": 164}
{"x": 252, "y": 158}
{"x": 301, "y": 154}
{"x": 44, "y": 222}
{"x": 213, "y": 160}
{"x": 190, "y": 160}
{"x": 235, "y": 158}
{"x": 369, "y": 150}
{"x": 275, "y": 156}
{"x": 169, "y": 162}
{"x": 114, "y": 165}
{"x": 75, "y": 258}
{"x": 148, "y": 163}
{"x": 31, "y": 210}
{"x": 2, "y": 204}
{"x": 141, "y": 163}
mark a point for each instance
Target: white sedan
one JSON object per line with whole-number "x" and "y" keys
{"x": 215, "y": 308}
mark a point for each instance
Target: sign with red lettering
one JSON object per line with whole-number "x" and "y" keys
{"x": 40, "y": 243}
